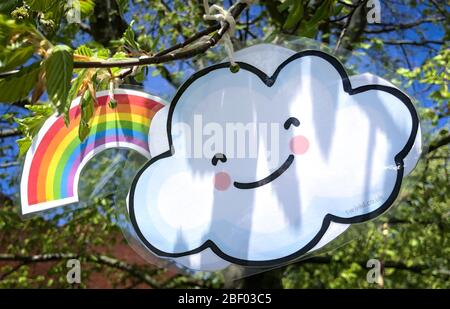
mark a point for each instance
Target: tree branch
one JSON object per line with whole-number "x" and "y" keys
{"x": 415, "y": 43}
{"x": 100, "y": 259}
{"x": 443, "y": 141}
{"x": 12, "y": 270}
{"x": 395, "y": 27}
{"x": 396, "y": 265}
{"x": 170, "y": 54}
{"x": 9, "y": 164}
{"x": 176, "y": 52}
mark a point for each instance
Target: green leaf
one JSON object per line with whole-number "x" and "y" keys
{"x": 87, "y": 6}
{"x": 59, "y": 69}
{"x": 24, "y": 144}
{"x": 18, "y": 86}
{"x": 285, "y": 5}
{"x": 112, "y": 103}
{"x": 294, "y": 16}
{"x": 31, "y": 125}
{"x": 307, "y": 30}
{"x": 102, "y": 53}
{"x": 338, "y": 9}
{"x": 9, "y": 27}
{"x": 11, "y": 59}
{"x": 123, "y": 6}
{"x": 87, "y": 111}
{"x": 141, "y": 74}
{"x": 54, "y": 14}
{"x": 73, "y": 92}
{"x": 365, "y": 45}
{"x": 146, "y": 42}
{"x": 41, "y": 109}
{"x": 83, "y": 50}
{"x": 322, "y": 12}
{"x": 76, "y": 84}
{"x": 119, "y": 56}
{"x": 40, "y": 5}
{"x": 8, "y": 5}
{"x": 155, "y": 73}
{"x": 129, "y": 38}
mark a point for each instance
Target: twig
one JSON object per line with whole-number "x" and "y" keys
{"x": 8, "y": 73}
{"x": 9, "y": 132}
{"x": 441, "y": 10}
{"x": 9, "y": 164}
{"x": 410, "y": 67}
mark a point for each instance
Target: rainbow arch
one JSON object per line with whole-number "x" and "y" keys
{"x": 54, "y": 162}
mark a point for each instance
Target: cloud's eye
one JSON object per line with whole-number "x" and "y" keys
{"x": 291, "y": 121}
{"x": 218, "y": 157}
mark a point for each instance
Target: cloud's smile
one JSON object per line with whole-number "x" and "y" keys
{"x": 268, "y": 179}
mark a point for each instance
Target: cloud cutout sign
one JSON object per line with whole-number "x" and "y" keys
{"x": 261, "y": 165}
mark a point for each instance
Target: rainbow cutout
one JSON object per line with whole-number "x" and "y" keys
{"x": 54, "y": 162}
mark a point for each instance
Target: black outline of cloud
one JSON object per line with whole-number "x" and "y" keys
{"x": 270, "y": 81}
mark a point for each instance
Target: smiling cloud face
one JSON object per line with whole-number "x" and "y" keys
{"x": 262, "y": 165}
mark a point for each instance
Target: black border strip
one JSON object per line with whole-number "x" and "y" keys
{"x": 270, "y": 81}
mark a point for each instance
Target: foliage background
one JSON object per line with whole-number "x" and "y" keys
{"x": 35, "y": 38}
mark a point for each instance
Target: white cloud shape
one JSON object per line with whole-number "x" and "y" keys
{"x": 350, "y": 172}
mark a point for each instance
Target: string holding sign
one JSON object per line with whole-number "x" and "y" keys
{"x": 225, "y": 16}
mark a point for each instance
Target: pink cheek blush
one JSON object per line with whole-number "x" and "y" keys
{"x": 299, "y": 145}
{"x": 222, "y": 181}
